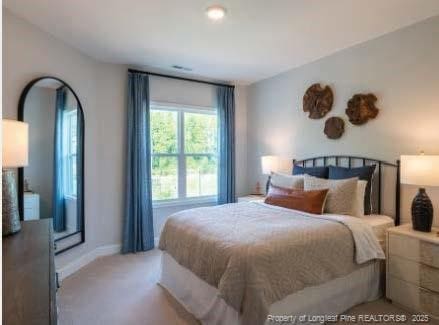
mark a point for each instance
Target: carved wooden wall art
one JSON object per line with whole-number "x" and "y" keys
{"x": 361, "y": 108}
{"x": 334, "y": 127}
{"x": 317, "y": 101}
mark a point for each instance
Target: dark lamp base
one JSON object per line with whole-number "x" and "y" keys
{"x": 422, "y": 212}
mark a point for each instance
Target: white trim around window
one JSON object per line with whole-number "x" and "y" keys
{"x": 211, "y": 199}
{"x": 181, "y": 155}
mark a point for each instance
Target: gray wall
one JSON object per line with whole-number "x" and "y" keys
{"x": 40, "y": 114}
{"x": 401, "y": 68}
{"x": 29, "y": 53}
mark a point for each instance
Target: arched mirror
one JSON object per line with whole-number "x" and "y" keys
{"x": 52, "y": 184}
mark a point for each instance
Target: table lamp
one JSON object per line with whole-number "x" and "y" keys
{"x": 270, "y": 164}
{"x": 421, "y": 170}
{"x": 15, "y": 154}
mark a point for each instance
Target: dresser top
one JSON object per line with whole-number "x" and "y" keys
{"x": 407, "y": 230}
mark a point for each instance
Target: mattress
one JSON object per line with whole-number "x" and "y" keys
{"x": 331, "y": 298}
{"x": 239, "y": 248}
{"x": 379, "y": 223}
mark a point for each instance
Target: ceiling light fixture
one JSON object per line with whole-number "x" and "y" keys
{"x": 216, "y": 12}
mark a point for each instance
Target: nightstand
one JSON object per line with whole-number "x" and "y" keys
{"x": 252, "y": 197}
{"x": 31, "y": 206}
{"x": 412, "y": 278}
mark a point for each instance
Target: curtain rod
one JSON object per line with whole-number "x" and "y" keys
{"x": 180, "y": 78}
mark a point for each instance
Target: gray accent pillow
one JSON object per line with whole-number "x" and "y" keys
{"x": 342, "y": 195}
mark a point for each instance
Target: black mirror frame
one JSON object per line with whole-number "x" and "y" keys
{"x": 20, "y": 186}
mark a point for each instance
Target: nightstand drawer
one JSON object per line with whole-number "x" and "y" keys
{"x": 31, "y": 200}
{"x": 413, "y": 297}
{"x": 430, "y": 254}
{"x": 418, "y": 274}
{"x": 404, "y": 246}
{"x": 429, "y": 302}
{"x": 414, "y": 249}
{"x": 31, "y": 214}
{"x": 413, "y": 269}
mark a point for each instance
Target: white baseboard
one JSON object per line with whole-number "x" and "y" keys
{"x": 82, "y": 261}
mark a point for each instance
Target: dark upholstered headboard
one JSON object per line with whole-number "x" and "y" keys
{"x": 385, "y": 182}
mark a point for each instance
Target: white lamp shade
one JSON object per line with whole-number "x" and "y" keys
{"x": 421, "y": 170}
{"x": 15, "y": 138}
{"x": 270, "y": 164}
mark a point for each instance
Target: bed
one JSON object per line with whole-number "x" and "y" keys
{"x": 254, "y": 263}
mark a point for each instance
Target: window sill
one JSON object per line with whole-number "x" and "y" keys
{"x": 183, "y": 202}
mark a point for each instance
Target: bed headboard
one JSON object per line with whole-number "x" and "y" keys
{"x": 385, "y": 182}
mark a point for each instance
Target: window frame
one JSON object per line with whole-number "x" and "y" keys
{"x": 182, "y": 198}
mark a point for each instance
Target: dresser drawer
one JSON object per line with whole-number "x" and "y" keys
{"x": 418, "y": 274}
{"x": 414, "y": 249}
{"x": 28, "y": 275}
{"x": 413, "y": 297}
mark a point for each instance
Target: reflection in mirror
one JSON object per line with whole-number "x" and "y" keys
{"x": 52, "y": 182}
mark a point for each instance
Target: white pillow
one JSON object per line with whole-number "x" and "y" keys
{"x": 287, "y": 181}
{"x": 342, "y": 194}
{"x": 359, "y": 205}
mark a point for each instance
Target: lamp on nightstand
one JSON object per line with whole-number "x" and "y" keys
{"x": 421, "y": 170}
{"x": 270, "y": 164}
{"x": 14, "y": 154}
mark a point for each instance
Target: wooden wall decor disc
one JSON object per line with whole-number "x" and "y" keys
{"x": 334, "y": 127}
{"x": 318, "y": 101}
{"x": 361, "y": 108}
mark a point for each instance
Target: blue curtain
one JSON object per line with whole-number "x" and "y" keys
{"x": 226, "y": 172}
{"x": 138, "y": 232}
{"x": 58, "y": 202}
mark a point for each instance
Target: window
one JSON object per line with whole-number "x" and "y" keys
{"x": 70, "y": 145}
{"x": 184, "y": 156}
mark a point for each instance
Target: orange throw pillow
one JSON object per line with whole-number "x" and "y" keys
{"x": 306, "y": 201}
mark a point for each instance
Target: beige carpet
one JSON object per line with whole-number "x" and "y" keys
{"x": 122, "y": 289}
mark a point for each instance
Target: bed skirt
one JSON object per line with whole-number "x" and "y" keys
{"x": 331, "y": 298}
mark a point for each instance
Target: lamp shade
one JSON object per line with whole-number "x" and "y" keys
{"x": 270, "y": 164}
{"x": 15, "y": 137}
{"x": 421, "y": 170}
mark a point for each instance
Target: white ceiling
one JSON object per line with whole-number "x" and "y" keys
{"x": 256, "y": 40}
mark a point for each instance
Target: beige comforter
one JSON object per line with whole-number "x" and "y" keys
{"x": 256, "y": 254}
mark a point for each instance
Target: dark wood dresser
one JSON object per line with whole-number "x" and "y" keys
{"x": 29, "y": 285}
